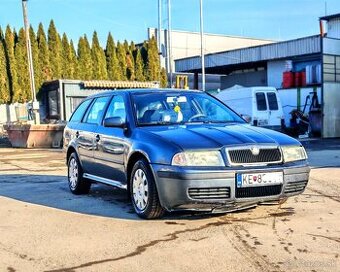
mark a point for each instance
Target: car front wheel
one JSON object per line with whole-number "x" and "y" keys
{"x": 143, "y": 192}
{"x": 77, "y": 184}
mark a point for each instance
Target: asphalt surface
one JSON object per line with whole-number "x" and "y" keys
{"x": 43, "y": 227}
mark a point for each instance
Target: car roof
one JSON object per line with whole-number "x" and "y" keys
{"x": 164, "y": 90}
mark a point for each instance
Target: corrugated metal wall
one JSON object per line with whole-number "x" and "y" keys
{"x": 333, "y": 28}
{"x": 303, "y": 46}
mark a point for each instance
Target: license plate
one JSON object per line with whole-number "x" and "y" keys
{"x": 259, "y": 179}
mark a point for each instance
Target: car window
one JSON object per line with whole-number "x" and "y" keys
{"x": 96, "y": 111}
{"x": 261, "y": 102}
{"x": 180, "y": 107}
{"x": 116, "y": 108}
{"x": 272, "y": 101}
{"x": 78, "y": 114}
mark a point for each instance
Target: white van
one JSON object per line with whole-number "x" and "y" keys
{"x": 261, "y": 104}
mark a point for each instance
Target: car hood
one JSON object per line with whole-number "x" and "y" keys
{"x": 211, "y": 136}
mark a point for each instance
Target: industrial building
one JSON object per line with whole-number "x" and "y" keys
{"x": 297, "y": 68}
{"x": 187, "y": 44}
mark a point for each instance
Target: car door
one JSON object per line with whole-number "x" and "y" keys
{"x": 86, "y": 136}
{"x": 112, "y": 144}
{"x": 275, "y": 113}
{"x": 261, "y": 112}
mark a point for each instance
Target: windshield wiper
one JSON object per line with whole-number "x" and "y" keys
{"x": 212, "y": 122}
{"x": 159, "y": 123}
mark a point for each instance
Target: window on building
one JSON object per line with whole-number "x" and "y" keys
{"x": 53, "y": 104}
{"x": 331, "y": 68}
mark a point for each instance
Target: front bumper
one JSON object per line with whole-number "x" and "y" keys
{"x": 176, "y": 185}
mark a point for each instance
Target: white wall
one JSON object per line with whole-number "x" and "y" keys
{"x": 11, "y": 113}
{"x": 275, "y": 71}
{"x": 188, "y": 44}
{"x": 331, "y": 120}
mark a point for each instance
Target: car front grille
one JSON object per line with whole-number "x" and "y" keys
{"x": 209, "y": 193}
{"x": 295, "y": 187}
{"x": 258, "y": 191}
{"x": 246, "y": 156}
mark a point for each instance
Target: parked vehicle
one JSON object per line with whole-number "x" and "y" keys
{"x": 261, "y": 104}
{"x": 179, "y": 150}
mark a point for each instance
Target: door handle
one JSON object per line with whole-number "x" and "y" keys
{"x": 97, "y": 138}
{"x": 77, "y": 134}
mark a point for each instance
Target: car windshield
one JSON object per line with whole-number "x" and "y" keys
{"x": 163, "y": 108}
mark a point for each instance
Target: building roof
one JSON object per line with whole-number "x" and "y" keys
{"x": 279, "y": 50}
{"x": 330, "y": 17}
{"x": 106, "y": 84}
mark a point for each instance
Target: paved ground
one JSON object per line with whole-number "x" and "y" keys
{"x": 43, "y": 227}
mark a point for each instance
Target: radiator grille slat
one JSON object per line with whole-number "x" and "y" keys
{"x": 246, "y": 156}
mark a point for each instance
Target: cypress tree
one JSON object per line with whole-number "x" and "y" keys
{"x": 73, "y": 62}
{"x": 43, "y": 55}
{"x": 11, "y": 63}
{"x": 5, "y": 95}
{"x": 65, "y": 67}
{"x": 98, "y": 58}
{"x": 113, "y": 70}
{"x": 54, "y": 47}
{"x": 144, "y": 54}
{"x": 153, "y": 67}
{"x": 22, "y": 92}
{"x": 85, "y": 65}
{"x": 35, "y": 59}
{"x": 164, "y": 79}
{"x": 121, "y": 56}
{"x": 130, "y": 62}
{"x": 139, "y": 66}
{"x": 69, "y": 59}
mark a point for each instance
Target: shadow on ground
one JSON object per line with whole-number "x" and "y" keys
{"x": 52, "y": 191}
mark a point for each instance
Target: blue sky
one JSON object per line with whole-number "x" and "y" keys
{"x": 129, "y": 19}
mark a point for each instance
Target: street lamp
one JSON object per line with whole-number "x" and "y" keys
{"x": 35, "y": 105}
{"x": 202, "y": 48}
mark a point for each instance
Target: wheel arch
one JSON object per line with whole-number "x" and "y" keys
{"x": 136, "y": 156}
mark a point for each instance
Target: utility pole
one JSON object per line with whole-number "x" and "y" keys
{"x": 202, "y": 48}
{"x": 159, "y": 36}
{"x": 169, "y": 47}
{"x": 35, "y": 104}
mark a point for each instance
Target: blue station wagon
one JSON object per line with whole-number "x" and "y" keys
{"x": 179, "y": 150}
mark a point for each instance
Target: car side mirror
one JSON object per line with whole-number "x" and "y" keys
{"x": 114, "y": 122}
{"x": 246, "y": 118}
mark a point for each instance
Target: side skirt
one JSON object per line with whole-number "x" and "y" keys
{"x": 105, "y": 181}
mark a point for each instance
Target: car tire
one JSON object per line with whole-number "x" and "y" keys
{"x": 77, "y": 183}
{"x": 143, "y": 192}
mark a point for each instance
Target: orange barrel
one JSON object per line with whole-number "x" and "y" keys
{"x": 297, "y": 79}
{"x": 303, "y": 78}
{"x": 288, "y": 80}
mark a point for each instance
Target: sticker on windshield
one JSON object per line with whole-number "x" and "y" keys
{"x": 176, "y": 99}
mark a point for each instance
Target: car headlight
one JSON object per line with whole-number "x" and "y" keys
{"x": 293, "y": 153}
{"x": 198, "y": 158}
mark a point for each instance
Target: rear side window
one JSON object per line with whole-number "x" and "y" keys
{"x": 261, "y": 102}
{"x": 96, "y": 111}
{"x": 80, "y": 111}
{"x": 272, "y": 101}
